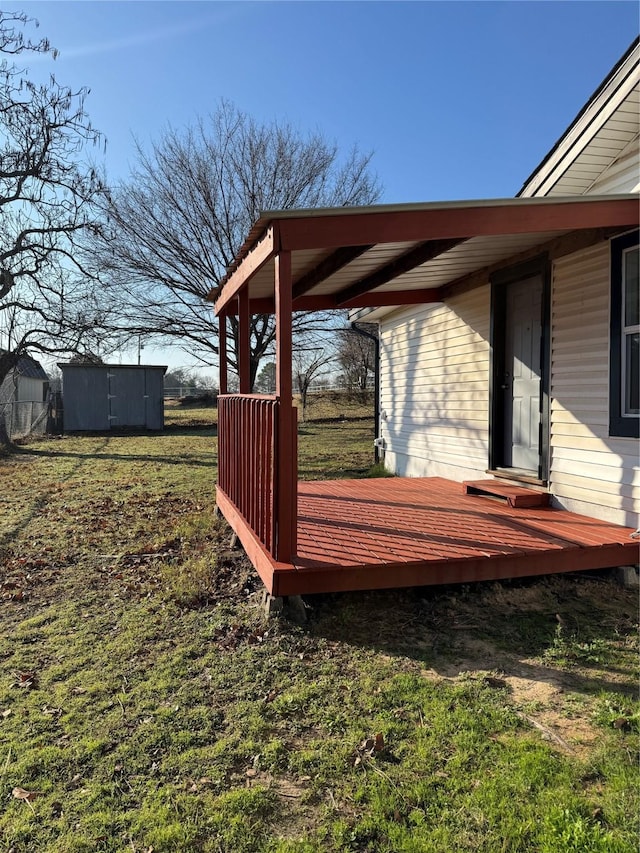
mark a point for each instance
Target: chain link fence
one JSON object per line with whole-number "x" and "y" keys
{"x": 25, "y": 418}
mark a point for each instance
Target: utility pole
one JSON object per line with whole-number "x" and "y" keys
{"x": 140, "y": 347}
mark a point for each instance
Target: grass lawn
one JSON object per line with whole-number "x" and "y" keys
{"x": 147, "y": 705}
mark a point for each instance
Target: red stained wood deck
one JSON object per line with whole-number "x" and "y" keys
{"x": 364, "y": 534}
{"x": 396, "y": 532}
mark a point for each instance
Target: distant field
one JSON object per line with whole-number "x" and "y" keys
{"x": 178, "y": 415}
{"x": 328, "y": 405}
{"x": 147, "y": 705}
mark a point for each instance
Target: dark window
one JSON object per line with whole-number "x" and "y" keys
{"x": 624, "y": 376}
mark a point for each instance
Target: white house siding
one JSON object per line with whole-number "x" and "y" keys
{"x": 591, "y": 473}
{"x": 434, "y": 390}
{"x": 623, "y": 176}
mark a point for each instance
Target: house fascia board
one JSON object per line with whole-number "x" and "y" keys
{"x": 246, "y": 266}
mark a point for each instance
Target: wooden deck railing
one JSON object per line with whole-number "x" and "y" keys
{"x": 249, "y": 471}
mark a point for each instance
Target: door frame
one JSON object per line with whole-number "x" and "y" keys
{"x": 500, "y": 280}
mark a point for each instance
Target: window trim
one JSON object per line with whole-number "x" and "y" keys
{"x": 620, "y": 424}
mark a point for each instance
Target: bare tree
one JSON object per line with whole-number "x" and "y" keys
{"x": 46, "y": 196}
{"x": 176, "y": 225}
{"x": 309, "y": 364}
{"x": 356, "y": 356}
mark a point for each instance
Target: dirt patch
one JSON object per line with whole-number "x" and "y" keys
{"x": 568, "y": 621}
{"x": 298, "y": 811}
{"x": 570, "y": 733}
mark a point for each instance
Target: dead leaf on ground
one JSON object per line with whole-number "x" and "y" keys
{"x": 368, "y": 748}
{"x": 12, "y": 592}
{"x": 373, "y": 744}
{"x": 23, "y": 794}
{"x": 229, "y": 638}
{"x": 27, "y": 680}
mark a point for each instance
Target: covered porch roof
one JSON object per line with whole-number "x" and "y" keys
{"x": 388, "y": 255}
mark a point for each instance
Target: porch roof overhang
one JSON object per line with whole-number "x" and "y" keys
{"x": 392, "y": 255}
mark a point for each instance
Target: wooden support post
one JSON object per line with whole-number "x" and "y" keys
{"x": 286, "y": 510}
{"x": 222, "y": 353}
{"x": 244, "y": 342}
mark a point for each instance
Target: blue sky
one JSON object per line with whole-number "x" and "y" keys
{"x": 455, "y": 99}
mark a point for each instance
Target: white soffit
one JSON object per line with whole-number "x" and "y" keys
{"x": 467, "y": 257}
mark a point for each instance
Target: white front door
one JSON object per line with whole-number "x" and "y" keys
{"x": 523, "y": 375}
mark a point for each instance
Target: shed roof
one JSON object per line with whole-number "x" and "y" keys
{"x": 30, "y": 368}
{"x": 404, "y": 254}
{"x": 67, "y": 365}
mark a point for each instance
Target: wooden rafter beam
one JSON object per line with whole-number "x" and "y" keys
{"x": 326, "y": 268}
{"x": 557, "y": 247}
{"x": 410, "y": 260}
{"x": 422, "y": 296}
{"x": 379, "y": 299}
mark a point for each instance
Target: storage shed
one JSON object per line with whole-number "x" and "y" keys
{"x": 27, "y": 382}
{"x": 103, "y": 397}
{"x": 24, "y": 398}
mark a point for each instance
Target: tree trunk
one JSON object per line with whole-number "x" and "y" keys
{"x": 8, "y": 360}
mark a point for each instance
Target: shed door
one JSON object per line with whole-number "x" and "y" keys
{"x": 523, "y": 375}
{"x": 127, "y": 403}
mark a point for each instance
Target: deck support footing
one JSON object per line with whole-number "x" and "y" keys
{"x": 272, "y": 605}
{"x": 627, "y": 576}
{"x": 296, "y": 610}
{"x": 292, "y": 607}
